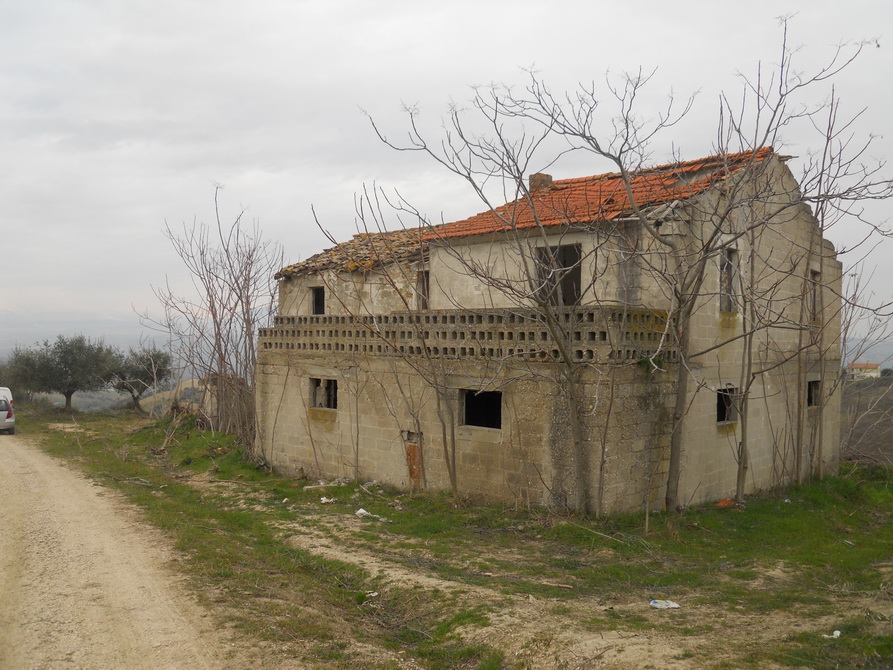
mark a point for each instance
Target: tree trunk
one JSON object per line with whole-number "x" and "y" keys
{"x": 674, "y": 469}
{"x": 581, "y": 469}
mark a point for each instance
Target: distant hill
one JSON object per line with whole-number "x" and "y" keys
{"x": 90, "y": 401}
{"x": 187, "y": 391}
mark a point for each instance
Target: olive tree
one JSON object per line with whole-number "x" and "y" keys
{"x": 66, "y": 366}
{"x": 140, "y": 370}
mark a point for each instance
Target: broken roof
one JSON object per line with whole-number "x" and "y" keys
{"x": 364, "y": 251}
{"x": 581, "y": 200}
{"x": 601, "y": 197}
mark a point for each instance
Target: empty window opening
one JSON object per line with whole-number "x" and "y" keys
{"x": 728, "y": 277}
{"x": 726, "y": 408}
{"x": 422, "y": 290}
{"x": 324, "y": 393}
{"x": 814, "y": 297}
{"x": 482, "y": 408}
{"x": 559, "y": 274}
{"x": 318, "y": 295}
{"x": 813, "y": 393}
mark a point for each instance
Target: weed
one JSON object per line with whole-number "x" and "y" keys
{"x": 860, "y": 645}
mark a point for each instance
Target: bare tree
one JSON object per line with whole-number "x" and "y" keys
{"x": 836, "y": 178}
{"x": 730, "y": 244}
{"x": 213, "y": 329}
{"x": 377, "y": 265}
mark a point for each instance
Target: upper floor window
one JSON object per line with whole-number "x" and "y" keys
{"x": 318, "y": 299}
{"x": 559, "y": 274}
{"x": 728, "y": 278}
{"x": 814, "y": 300}
{"x": 423, "y": 289}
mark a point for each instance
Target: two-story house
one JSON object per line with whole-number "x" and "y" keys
{"x": 557, "y": 349}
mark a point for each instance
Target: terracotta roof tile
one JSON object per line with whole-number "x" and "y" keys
{"x": 602, "y": 197}
{"x": 566, "y": 201}
{"x": 364, "y": 251}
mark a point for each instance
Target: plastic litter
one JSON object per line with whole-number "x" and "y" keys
{"x": 665, "y": 605}
{"x": 832, "y": 636}
{"x": 363, "y": 514}
{"x": 327, "y": 501}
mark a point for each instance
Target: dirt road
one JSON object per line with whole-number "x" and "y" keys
{"x": 83, "y": 584}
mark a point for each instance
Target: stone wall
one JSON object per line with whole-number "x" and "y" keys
{"x": 398, "y": 406}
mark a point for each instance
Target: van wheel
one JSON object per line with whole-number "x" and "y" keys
{"x": 12, "y": 431}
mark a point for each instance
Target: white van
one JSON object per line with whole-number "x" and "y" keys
{"x": 7, "y": 415}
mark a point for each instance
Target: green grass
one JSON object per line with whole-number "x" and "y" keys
{"x": 860, "y": 645}
{"x": 273, "y": 592}
{"x": 809, "y": 550}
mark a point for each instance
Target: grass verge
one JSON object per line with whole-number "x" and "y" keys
{"x": 809, "y": 552}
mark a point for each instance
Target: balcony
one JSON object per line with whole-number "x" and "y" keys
{"x": 591, "y": 335}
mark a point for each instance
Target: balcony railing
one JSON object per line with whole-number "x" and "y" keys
{"x": 590, "y": 335}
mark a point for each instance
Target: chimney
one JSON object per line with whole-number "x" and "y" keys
{"x": 539, "y": 181}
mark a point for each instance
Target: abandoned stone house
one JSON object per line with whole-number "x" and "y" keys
{"x": 406, "y": 356}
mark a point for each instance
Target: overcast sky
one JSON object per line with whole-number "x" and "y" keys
{"x": 117, "y": 116}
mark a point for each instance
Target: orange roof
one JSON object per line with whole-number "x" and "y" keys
{"x": 602, "y": 197}
{"x": 864, "y": 366}
{"x": 582, "y": 200}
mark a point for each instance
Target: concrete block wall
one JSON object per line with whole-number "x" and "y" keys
{"x": 527, "y": 460}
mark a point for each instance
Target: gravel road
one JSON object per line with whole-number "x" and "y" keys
{"x": 83, "y": 584}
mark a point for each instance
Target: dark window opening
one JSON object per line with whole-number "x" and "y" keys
{"x": 813, "y": 393}
{"x": 318, "y": 293}
{"x": 728, "y": 276}
{"x": 482, "y": 408}
{"x": 726, "y": 409}
{"x": 324, "y": 393}
{"x": 423, "y": 287}
{"x": 814, "y": 297}
{"x": 559, "y": 274}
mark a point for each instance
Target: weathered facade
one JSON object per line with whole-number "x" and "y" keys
{"x": 534, "y": 352}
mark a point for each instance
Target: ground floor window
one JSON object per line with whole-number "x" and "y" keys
{"x": 726, "y": 405}
{"x": 324, "y": 393}
{"x": 482, "y": 408}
